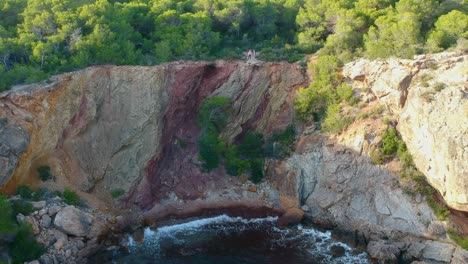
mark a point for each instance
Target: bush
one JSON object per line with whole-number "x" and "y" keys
{"x": 25, "y": 248}
{"x": 281, "y": 144}
{"x": 21, "y": 207}
{"x": 460, "y": 240}
{"x": 334, "y": 121}
{"x": 70, "y": 197}
{"x": 212, "y": 118}
{"x": 116, "y": 193}
{"x": 256, "y": 167}
{"x": 43, "y": 173}
{"x": 251, "y": 146}
{"x": 390, "y": 142}
{"x": 40, "y": 194}
{"x": 7, "y": 223}
{"x": 210, "y": 147}
{"x": 376, "y": 157}
{"x": 24, "y": 191}
{"x": 233, "y": 164}
{"x": 440, "y": 210}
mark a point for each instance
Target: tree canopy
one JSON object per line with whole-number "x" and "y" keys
{"x": 43, "y": 37}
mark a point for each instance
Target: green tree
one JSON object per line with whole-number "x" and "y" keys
{"x": 448, "y": 29}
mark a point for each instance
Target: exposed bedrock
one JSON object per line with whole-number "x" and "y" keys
{"x": 134, "y": 128}
{"x": 428, "y": 96}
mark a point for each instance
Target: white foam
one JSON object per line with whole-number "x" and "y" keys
{"x": 315, "y": 242}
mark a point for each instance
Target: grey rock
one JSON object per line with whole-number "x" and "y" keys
{"x": 42, "y": 212}
{"x": 436, "y": 229}
{"x": 46, "y": 221}
{"x": 53, "y": 210}
{"x": 415, "y": 249}
{"x": 33, "y": 262}
{"x": 383, "y": 251}
{"x": 438, "y": 251}
{"x": 39, "y": 204}
{"x": 305, "y": 208}
{"x": 68, "y": 253}
{"x": 59, "y": 244}
{"x": 73, "y": 221}
{"x": 14, "y": 140}
{"x": 20, "y": 218}
{"x": 460, "y": 256}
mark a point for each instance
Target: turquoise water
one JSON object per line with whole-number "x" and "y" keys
{"x": 233, "y": 240}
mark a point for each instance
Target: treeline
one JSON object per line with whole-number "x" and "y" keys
{"x": 43, "y": 37}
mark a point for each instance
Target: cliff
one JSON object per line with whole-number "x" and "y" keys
{"x": 134, "y": 128}
{"x": 428, "y": 98}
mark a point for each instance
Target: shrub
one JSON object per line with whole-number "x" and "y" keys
{"x": 40, "y": 194}
{"x": 460, "y": 240}
{"x": 7, "y": 224}
{"x": 281, "y": 144}
{"x": 24, "y": 191}
{"x": 334, "y": 121}
{"x": 233, "y": 164}
{"x": 251, "y": 146}
{"x": 21, "y": 207}
{"x": 70, "y": 197}
{"x": 440, "y": 210}
{"x": 116, "y": 193}
{"x": 25, "y": 248}
{"x": 43, "y": 173}
{"x": 390, "y": 142}
{"x": 256, "y": 167}
{"x": 376, "y": 157}
{"x": 210, "y": 147}
{"x": 439, "y": 87}
{"x": 212, "y": 118}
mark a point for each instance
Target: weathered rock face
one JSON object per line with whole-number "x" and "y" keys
{"x": 340, "y": 185}
{"x": 13, "y": 142}
{"x": 428, "y": 95}
{"x": 135, "y": 128}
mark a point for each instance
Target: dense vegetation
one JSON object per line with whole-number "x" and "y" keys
{"x": 246, "y": 157}
{"x": 17, "y": 238}
{"x": 43, "y": 37}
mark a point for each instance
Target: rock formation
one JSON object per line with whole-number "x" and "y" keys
{"x": 428, "y": 95}
{"x": 134, "y": 128}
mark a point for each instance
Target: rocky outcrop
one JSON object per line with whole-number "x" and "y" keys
{"x": 428, "y": 97}
{"x": 134, "y": 128}
{"x": 338, "y": 184}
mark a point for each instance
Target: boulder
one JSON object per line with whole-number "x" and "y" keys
{"x": 383, "y": 251}
{"x": 73, "y": 221}
{"x": 14, "y": 140}
{"x": 45, "y": 221}
{"x": 53, "y": 210}
{"x": 20, "y": 218}
{"x": 292, "y": 216}
{"x": 438, "y": 251}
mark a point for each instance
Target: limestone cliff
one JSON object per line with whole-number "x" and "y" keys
{"x": 134, "y": 128}
{"x": 428, "y": 97}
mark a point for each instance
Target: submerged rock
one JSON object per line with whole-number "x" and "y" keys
{"x": 292, "y": 216}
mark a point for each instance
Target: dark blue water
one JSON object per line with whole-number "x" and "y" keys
{"x": 234, "y": 240}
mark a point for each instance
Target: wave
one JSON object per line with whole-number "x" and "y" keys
{"x": 309, "y": 241}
